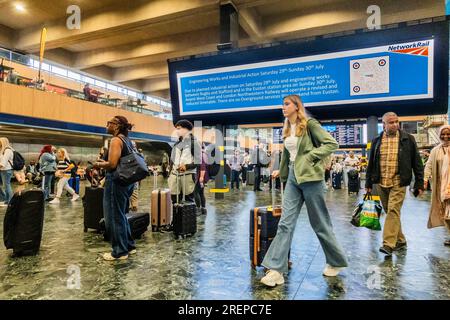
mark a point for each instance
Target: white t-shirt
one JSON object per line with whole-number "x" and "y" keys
{"x": 291, "y": 143}
{"x": 6, "y": 159}
{"x": 350, "y": 163}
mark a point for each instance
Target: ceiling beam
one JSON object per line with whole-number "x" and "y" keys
{"x": 104, "y": 72}
{"x": 152, "y": 70}
{"x": 163, "y": 45}
{"x": 151, "y": 85}
{"x": 98, "y": 24}
{"x": 250, "y": 21}
{"x": 343, "y": 16}
{"x": 6, "y": 37}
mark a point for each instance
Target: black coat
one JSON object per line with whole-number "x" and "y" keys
{"x": 408, "y": 160}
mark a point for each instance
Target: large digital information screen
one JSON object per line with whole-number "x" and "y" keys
{"x": 398, "y": 71}
{"x": 404, "y": 70}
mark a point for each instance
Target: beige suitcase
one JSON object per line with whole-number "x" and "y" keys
{"x": 161, "y": 207}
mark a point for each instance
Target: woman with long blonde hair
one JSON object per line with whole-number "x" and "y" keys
{"x": 6, "y": 171}
{"x": 64, "y": 168}
{"x": 306, "y": 149}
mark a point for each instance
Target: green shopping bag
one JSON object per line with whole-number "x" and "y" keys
{"x": 367, "y": 213}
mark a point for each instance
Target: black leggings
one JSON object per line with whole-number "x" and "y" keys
{"x": 199, "y": 194}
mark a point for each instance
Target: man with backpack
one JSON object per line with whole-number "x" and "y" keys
{"x": 10, "y": 160}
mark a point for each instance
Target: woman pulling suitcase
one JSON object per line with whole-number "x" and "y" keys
{"x": 306, "y": 147}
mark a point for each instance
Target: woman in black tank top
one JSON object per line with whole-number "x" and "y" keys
{"x": 116, "y": 197}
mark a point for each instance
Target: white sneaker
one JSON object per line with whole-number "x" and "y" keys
{"x": 54, "y": 201}
{"x": 330, "y": 271}
{"x": 272, "y": 278}
{"x": 75, "y": 197}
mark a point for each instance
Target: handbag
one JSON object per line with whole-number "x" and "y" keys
{"x": 367, "y": 213}
{"x": 131, "y": 168}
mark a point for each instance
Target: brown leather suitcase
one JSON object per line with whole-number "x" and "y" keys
{"x": 161, "y": 207}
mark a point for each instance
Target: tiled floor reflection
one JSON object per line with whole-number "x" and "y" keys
{"x": 214, "y": 264}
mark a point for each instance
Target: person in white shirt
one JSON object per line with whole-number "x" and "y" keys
{"x": 185, "y": 159}
{"x": 350, "y": 163}
{"x": 6, "y": 171}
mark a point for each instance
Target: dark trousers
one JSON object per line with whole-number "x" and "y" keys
{"x": 235, "y": 179}
{"x": 244, "y": 175}
{"x": 277, "y": 183}
{"x": 199, "y": 194}
{"x": 257, "y": 185}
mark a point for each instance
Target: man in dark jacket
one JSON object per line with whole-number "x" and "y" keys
{"x": 393, "y": 157}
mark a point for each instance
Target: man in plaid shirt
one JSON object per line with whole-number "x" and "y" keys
{"x": 392, "y": 159}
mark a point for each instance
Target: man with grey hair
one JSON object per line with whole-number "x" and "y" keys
{"x": 393, "y": 156}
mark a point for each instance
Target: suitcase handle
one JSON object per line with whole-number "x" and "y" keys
{"x": 155, "y": 180}
{"x": 273, "y": 194}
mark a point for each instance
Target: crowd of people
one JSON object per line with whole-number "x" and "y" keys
{"x": 304, "y": 165}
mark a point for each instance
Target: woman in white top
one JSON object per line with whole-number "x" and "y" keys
{"x": 307, "y": 147}
{"x": 6, "y": 171}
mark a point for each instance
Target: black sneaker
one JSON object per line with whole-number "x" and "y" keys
{"x": 166, "y": 229}
{"x": 204, "y": 211}
{"x": 447, "y": 242}
{"x": 386, "y": 250}
{"x": 400, "y": 246}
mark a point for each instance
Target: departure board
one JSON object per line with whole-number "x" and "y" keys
{"x": 346, "y": 134}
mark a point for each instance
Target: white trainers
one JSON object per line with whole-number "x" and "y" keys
{"x": 54, "y": 201}
{"x": 330, "y": 271}
{"x": 108, "y": 257}
{"x": 75, "y": 197}
{"x": 272, "y": 278}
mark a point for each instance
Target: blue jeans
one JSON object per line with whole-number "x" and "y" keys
{"x": 6, "y": 192}
{"x": 49, "y": 177}
{"x": 312, "y": 194}
{"x": 116, "y": 200}
{"x": 235, "y": 178}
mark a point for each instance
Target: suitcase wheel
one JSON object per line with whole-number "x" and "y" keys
{"x": 290, "y": 265}
{"x": 85, "y": 229}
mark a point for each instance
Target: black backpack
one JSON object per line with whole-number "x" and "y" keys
{"x": 18, "y": 161}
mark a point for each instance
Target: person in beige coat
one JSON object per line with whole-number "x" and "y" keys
{"x": 438, "y": 169}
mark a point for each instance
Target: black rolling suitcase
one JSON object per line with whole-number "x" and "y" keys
{"x": 139, "y": 223}
{"x": 263, "y": 229}
{"x": 93, "y": 208}
{"x": 24, "y": 221}
{"x": 353, "y": 181}
{"x": 184, "y": 217}
{"x": 336, "y": 180}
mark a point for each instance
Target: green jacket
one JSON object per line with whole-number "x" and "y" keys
{"x": 309, "y": 164}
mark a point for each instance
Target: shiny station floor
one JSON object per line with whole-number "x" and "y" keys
{"x": 214, "y": 264}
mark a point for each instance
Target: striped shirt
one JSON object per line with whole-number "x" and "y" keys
{"x": 66, "y": 166}
{"x": 389, "y": 160}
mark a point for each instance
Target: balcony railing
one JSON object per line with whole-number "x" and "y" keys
{"x": 101, "y": 84}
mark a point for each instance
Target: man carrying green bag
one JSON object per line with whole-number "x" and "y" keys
{"x": 367, "y": 213}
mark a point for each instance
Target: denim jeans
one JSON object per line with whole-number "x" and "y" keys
{"x": 47, "y": 181}
{"x": 6, "y": 192}
{"x": 116, "y": 201}
{"x": 235, "y": 178}
{"x": 312, "y": 194}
